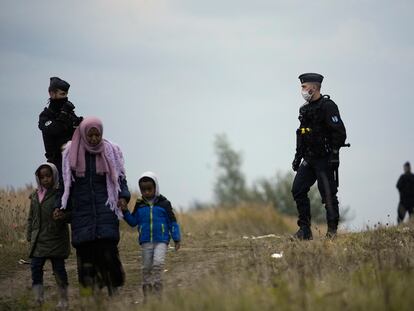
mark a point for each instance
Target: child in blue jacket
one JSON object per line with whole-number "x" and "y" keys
{"x": 154, "y": 216}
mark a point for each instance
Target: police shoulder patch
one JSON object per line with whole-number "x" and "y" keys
{"x": 335, "y": 119}
{"x": 47, "y": 123}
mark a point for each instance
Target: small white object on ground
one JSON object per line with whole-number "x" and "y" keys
{"x": 265, "y": 236}
{"x": 23, "y": 262}
{"x": 272, "y": 235}
{"x": 277, "y": 255}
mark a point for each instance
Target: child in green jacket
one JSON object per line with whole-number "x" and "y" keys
{"x": 48, "y": 235}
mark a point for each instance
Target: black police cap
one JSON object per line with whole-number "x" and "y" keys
{"x": 311, "y": 77}
{"x": 58, "y": 84}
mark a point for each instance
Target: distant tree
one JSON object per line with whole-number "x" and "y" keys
{"x": 230, "y": 186}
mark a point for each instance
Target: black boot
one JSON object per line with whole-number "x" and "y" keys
{"x": 331, "y": 233}
{"x": 304, "y": 233}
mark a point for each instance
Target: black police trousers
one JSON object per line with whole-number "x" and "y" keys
{"x": 308, "y": 173}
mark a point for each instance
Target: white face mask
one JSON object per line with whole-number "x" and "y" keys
{"x": 306, "y": 96}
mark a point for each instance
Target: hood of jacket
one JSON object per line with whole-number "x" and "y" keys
{"x": 155, "y": 179}
{"x": 55, "y": 175}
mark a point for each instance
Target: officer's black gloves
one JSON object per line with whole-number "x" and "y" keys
{"x": 68, "y": 107}
{"x": 77, "y": 120}
{"x": 334, "y": 159}
{"x": 296, "y": 163}
{"x": 68, "y": 117}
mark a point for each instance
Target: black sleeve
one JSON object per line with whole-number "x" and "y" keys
{"x": 335, "y": 125}
{"x": 124, "y": 193}
{"x": 299, "y": 138}
{"x": 170, "y": 212}
{"x": 52, "y": 126}
{"x": 299, "y": 145}
{"x": 400, "y": 183}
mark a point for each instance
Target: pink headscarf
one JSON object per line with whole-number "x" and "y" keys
{"x": 109, "y": 161}
{"x": 80, "y": 145}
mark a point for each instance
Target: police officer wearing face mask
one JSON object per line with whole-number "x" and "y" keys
{"x": 58, "y": 121}
{"x": 320, "y": 136}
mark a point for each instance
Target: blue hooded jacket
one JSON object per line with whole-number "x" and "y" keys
{"x": 156, "y": 221}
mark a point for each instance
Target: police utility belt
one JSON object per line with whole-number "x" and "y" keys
{"x": 315, "y": 144}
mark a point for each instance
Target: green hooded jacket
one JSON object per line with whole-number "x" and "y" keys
{"x": 47, "y": 237}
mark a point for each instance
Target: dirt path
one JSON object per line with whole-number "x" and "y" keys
{"x": 195, "y": 260}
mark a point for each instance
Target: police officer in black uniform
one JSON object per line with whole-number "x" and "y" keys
{"x": 58, "y": 121}
{"x": 320, "y": 136}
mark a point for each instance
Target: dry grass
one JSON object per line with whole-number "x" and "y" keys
{"x": 14, "y": 208}
{"x": 359, "y": 271}
{"x": 243, "y": 220}
{"x": 221, "y": 267}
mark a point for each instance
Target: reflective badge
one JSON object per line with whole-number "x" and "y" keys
{"x": 48, "y": 123}
{"x": 335, "y": 119}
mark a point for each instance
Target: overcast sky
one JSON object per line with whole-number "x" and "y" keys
{"x": 167, "y": 76}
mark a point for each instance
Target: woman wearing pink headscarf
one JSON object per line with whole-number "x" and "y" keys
{"x": 94, "y": 188}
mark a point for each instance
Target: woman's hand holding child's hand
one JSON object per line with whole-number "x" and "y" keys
{"x": 122, "y": 204}
{"x": 58, "y": 214}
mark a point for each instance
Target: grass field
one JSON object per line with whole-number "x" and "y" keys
{"x": 225, "y": 264}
